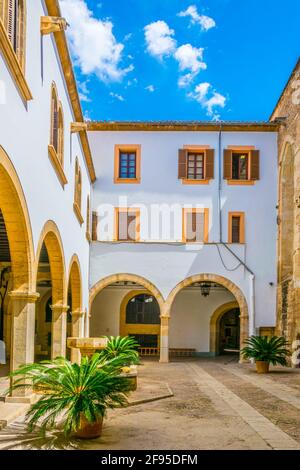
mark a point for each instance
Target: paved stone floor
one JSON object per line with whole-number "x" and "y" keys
{"x": 217, "y": 404}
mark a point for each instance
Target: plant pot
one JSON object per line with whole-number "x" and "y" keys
{"x": 88, "y": 430}
{"x": 262, "y": 367}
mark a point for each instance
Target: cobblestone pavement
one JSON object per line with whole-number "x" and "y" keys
{"x": 217, "y": 404}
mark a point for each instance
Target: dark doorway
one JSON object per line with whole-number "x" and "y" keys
{"x": 229, "y": 338}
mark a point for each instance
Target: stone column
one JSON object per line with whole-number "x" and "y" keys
{"x": 77, "y": 327}
{"x": 244, "y": 333}
{"x": 22, "y": 306}
{"x": 59, "y": 330}
{"x": 164, "y": 338}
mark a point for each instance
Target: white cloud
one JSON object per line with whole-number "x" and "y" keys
{"x": 190, "y": 58}
{"x": 185, "y": 80}
{"x": 116, "y": 96}
{"x": 159, "y": 39}
{"x": 150, "y": 88}
{"x": 83, "y": 91}
{"x": 209, "y": 99}
{"x": 93, "y": 44}
{"x": 204, "y": 21}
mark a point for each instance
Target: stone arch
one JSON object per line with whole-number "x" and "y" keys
{"x": 15, "y": 213}
{"x": 100, "y": 285}
{"x": 23, "y": 296}
{"x": 75, "y": 282}
{"x": 214, "y": 328}
{"x": 236, "y": 292}
{"x": 75, "y": 285}
{"x": 51, "y": 237}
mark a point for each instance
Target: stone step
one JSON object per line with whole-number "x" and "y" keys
{"x": 11, "y": 411}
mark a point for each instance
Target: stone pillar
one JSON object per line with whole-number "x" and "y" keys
{"x": 77, "y": 327}
{"x": 22, "y": 306}
{"x": 59, "y": 330}
{"x": 164, "y": 338}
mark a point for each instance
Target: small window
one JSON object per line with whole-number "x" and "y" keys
{"x": 195, "y": 169}
{"x": 127, "y": 168}
{"x": 14, "y": 19}
{"x": 195, "y": 225}
{"x": 78, "y": 185}
{"x": 240, "y": 163}
{"x": 236, "y": 227}
{"x": 127, "y": 225}
{"x": 57, "y": 126}
{"x": 127, "y": 164}
{"x": 195, "y": 165}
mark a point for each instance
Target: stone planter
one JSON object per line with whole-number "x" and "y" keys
{"x": 262, "y": 367}
{"x": 89, "y": 430}
{"x": 87, "y": 346}
{"x": 130, "y": 374}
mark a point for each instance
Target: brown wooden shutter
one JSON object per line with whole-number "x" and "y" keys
{"x": 94, "y": 226}
{"x": 11, "y": 21}
{"x": 227, "y": 169}
{"x": 194, "y": 226}
{"x": 122, "y": 226}
{"x": 182, "y": 164}
{"x": 55, "y": 125}
{"x": 254, "y": 165}
{"x": 209, "y": 164}
{"x": 131, "y": 226}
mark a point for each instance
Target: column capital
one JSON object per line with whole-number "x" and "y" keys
{"x": 59, "y": 308}
{"x": 24, "y": 295}
{"x": 78, "y": 314}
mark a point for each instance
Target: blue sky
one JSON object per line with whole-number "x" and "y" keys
{"x": 182, "y": 59}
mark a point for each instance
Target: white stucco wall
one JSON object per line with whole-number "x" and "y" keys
{"x": 167, "y": 264}
{"x": 25, "y": 134}
{"x": 190, "y": 318}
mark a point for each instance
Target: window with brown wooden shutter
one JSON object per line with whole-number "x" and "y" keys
{"x": 195, "y": 225}
{"x": 227, "y": 171}
{"x": 127, "y": 225}
{"x": 254, "y": 165}
{"x": 12, "y": 11}
{"x": 209, "y": 164}
{"x": 236, "y": 227}
{"x": 94, "y": 226}
{"x": 182, "y": 164}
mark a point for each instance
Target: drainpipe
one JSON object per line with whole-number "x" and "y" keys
{"x": 219, "y": 184}
{"x": 252, "y": 328}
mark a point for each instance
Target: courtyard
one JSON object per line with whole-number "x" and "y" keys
{"x": 215, "y": 404}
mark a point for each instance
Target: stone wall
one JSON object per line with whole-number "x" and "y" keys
{"x": 287, "y": 112}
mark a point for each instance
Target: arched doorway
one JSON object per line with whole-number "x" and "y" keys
{"x": 229, "y": 333}
{"x": 50, "y": 264}
{"x": 16, "y": 263}
{"x": 126, "y": 304}
{"x": 75, "y": 316}
{"x": 191, "y": 306}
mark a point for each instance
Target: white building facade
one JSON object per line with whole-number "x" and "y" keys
{"x": 163, "y": 231}
{"x": 180, "y": 170}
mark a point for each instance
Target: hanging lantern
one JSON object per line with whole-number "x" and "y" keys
{"x": 205, "y": 289}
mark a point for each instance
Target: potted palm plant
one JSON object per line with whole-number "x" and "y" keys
{"x": 74, "y": 396}
{"x": 265, "y": 351}
{"x": 124, "y": 347}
